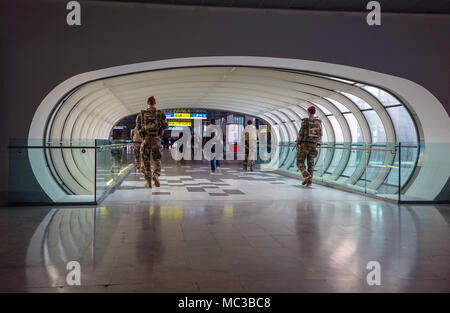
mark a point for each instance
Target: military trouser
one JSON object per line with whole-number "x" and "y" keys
{"x": 151, "y": 157}
{"x": 308, "y": 151}
{"x": 246, "y": 158}
{"x": 137, "y": 155}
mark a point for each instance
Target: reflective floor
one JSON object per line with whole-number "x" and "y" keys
{"x": 229, "y": 232}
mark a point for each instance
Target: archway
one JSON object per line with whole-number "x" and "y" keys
{"x": 350, "y": 101}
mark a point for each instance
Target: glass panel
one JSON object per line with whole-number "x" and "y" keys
{"x": 355, "y": 129}
{"x": 65, "y": 171}
{"x": 324, "y": 134}
{"x": 324, "y": 109}
{"x": 408, "y": 162}
{"x": 376, "y": 126}
{"x": 384, "y": 97}
{"x": 404, "y": 125}
{"x": 339, "y": 105}
{"x": 112, "y": 162}
{"x": 355, "y": 157}
{"x": 319, "y": 161}
{"x": 336, "y": 158}
{"x": 376, "y": 163}
{"x": 337, "y": 129}
{"x": 363, "y": 105}
{"x": 38, "y": 142}
{"x": 381, "y": 175}
{"x": 57, "y": 182}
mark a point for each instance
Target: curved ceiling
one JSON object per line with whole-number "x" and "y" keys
{"x": 88, "y": 105}
{"x": 277, "y": 96}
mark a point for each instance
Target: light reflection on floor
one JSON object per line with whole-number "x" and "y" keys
{"x": 235, "y": 232}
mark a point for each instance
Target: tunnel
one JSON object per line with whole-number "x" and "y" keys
{"x": 357, "y": 108}
{"x": 81, "y": 214}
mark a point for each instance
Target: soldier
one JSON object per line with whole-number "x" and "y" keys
{"x": 151, "y": 124}
{"x": 309, "y": 135}
{"x": 249, "y": 145}
{"x": 137, "y": 140}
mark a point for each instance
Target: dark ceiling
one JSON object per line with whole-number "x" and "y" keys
{"x": 400, "y": 6}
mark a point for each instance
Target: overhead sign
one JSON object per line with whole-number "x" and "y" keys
{"x": 186, "y": 114}
{"x": 179, "y": 122}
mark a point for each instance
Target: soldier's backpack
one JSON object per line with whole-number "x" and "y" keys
{"x": 150, "y": 123}
{"x": 313, "y": 131}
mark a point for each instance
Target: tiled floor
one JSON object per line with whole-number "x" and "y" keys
{"x": 234, "y": 232}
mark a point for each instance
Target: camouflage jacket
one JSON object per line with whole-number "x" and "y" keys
{"x": 310, "y": 131}
{"x": 151, "y": 123}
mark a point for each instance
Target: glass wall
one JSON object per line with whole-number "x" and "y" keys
{"x": 113, "y": 160}
{"x": 371, "y": 167}
{"x": 71, "y": 172}
{"x": 355, "y": 129}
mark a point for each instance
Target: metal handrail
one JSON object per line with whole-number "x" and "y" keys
{"x": 51, "y": 147}
{"x": 345, "y": 148}
{"x": 364, "y": 149}
{"x": 353, "y": 148}
{"x": 69, "y": 147}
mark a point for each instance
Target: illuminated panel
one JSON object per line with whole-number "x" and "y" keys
{"x": 180, "y": 122}
{"x": 186, "y": 114}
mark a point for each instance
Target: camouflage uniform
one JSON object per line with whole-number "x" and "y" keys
{"x": 247, "y": 152}
{"x": 151, "y": 124}
{"x": 137, "y": 148}
{"x": 249, "y": 147}
{"x": 309, "y": 135}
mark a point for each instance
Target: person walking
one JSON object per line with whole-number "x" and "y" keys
{"x": 151, "y": 124}
{"x": 249, "y": 145}
{"x": 309, "y": 136}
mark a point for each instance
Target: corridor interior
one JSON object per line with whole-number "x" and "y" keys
{"x": 230, "y": 232}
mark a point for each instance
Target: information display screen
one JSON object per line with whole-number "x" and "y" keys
{"x": 185, "y": 114}
{"x": 179, "y": 122}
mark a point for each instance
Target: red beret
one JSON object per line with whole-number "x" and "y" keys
{"x": 150, "y": 99}
{"x": 249, "y": 122}
{"x": 311, "y": 108}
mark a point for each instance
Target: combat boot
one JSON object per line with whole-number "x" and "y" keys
{"x": 309, "y": 183}
{"x": 306, "y": 180}
{"x": 156, "y": 180}
{"x": 148, "y": 184}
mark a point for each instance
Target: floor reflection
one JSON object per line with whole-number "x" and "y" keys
{"x": 302, "y": 240}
